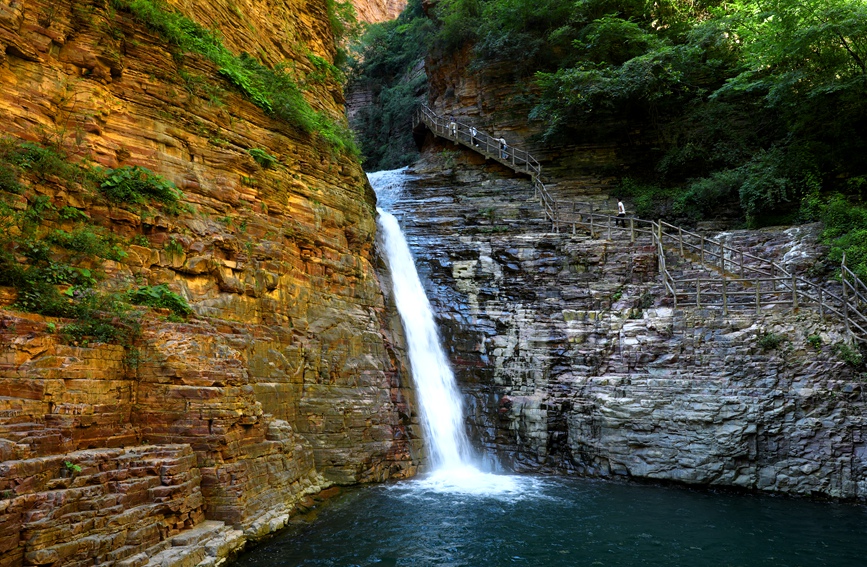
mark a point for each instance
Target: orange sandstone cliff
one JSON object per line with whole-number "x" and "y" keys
{"x": 284, "y": 380}
{"x": 376, "y": 11}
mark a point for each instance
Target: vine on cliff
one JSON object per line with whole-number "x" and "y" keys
{"x": 271, "y": 89}
{"x": 53, "y": 257}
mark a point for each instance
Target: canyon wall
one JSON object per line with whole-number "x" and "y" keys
{"x": 573, "y": 360}
{"x": 289, "y": 376}
{"x": 587, "y": 167}
{"x": 376, "y": 11}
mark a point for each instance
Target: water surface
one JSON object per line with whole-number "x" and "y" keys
{"x": 544, "y": 521}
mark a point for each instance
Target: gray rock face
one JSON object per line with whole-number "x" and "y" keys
{"x": 572, "y": 359}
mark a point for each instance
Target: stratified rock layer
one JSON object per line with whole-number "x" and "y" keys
{"x": 286, "y": 379}
{"x": 573, "y": 360}
{"x": 376, "y": 11}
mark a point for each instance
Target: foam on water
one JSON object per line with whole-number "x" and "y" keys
{"x": 470, "y": 481}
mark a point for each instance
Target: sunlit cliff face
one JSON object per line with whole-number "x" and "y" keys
{"x": 275, "y": 257}
{"x": 375, "y": 11}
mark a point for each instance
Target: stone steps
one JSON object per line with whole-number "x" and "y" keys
{"x": 201, "y": 546}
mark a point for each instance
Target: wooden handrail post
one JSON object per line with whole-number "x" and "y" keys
{"x": 574, "y": 216}
{"x": 725, "y": 302}
{"x": 680, "y": 239}
{"x": 701, "y": 252}
{"x": 758, "y": 298}
{"x": 698, "y": 293}
{"x": 821, "y": 304}
{"x": 631, "y": 230}
{"x": 659, "y": 237}
{"x": 742, "y": 264}
{"x": 591, "y": 224}
{"x": 845, "y": 304}
{"x": 609, "y": 227}
{"x": 794, "y": 292}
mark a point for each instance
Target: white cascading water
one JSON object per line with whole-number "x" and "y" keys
{"x": 438, "y": 395}
{"x": 451, "y": 457}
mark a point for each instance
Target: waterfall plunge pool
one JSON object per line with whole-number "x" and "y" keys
{"x": 458, "y": 516}
{"x": 553, "y": 522}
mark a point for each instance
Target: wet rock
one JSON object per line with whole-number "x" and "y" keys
{"x": 589, "y": 371}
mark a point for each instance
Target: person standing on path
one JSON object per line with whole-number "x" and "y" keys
{"x": 503, "y": 147}
{"x": 473, "y": 133}
{"x": 621, "y": 213}
{"x": 453, "y": 127}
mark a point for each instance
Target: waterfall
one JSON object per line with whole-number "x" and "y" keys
{"x": 438, "y": 395}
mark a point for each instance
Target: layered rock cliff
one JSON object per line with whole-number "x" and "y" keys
{"x": 375, "y": 11}
{"x": 286, "y": 378}
{"x": 572, "y": 359}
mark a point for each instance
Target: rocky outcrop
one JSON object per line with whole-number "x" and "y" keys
{"x": 376, "y": 11}
{"x": 572, "y": 359}
{"x": 288, "y": 378}
{"x": 489, "y": 96}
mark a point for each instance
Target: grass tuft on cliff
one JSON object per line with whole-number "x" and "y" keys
{"x": 272, "y": 90}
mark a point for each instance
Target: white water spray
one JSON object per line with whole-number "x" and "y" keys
{"x": 438, "y": 395}
{"x": 442, "y": 414}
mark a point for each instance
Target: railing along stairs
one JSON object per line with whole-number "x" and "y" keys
{"x": 740, "y": 281}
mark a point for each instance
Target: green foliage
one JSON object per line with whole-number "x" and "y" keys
{"x": 160, "y": 296}
{"x": 344, "y": 26}
{"x": 88, "y": 240}
{"x": 55, "y": 270}
{"x": 41, "y": 162}
{"x": 750, "y": 105}
{"x": 9, "y": 180}
{"x": 845, "y": 229}
{"x": 138, "y": 185}
{"x": 387, "y": 61}
{"x": 174, "y": 248}
{"x": 102, "y": 318}
{"x": 849, "y": 354}
{"x": 71, "y": 467}
{"x": 273, "y": 90}
{"x": 770, "y": 341}
{"x": 648, "y": 200}
{"x": 815, "y": 341}
{"x": 262, "y": 157}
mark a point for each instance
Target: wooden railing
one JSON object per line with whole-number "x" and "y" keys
{"x": 743, "y": 281}
{"x": 514, "y": 158}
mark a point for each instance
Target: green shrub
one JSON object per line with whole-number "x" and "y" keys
{"x": 87, "y": 240}
{"x": 9, "y": 180}
{"x": 648, "y": 201}
{"x": 101, "y": 318}
{"x": 845, "y": 229}
{"x": 262, "y": 157}
{"x": 137, "y": 185}
{"x": 160, "y": 296}
{"x": 704, "y": 197}
{"x": 849, "y": 354}
{"x": 770, "y": 341}
{"x": 815, "y": 341}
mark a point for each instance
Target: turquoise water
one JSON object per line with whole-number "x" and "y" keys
{"x": 551, "y": 522}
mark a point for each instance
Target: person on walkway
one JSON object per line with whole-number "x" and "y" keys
{"x": 621, "y": 213}
{"x": 453, "y": 127}
{"x": 503, "y": 147}
{"x": 473, "y": 133}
